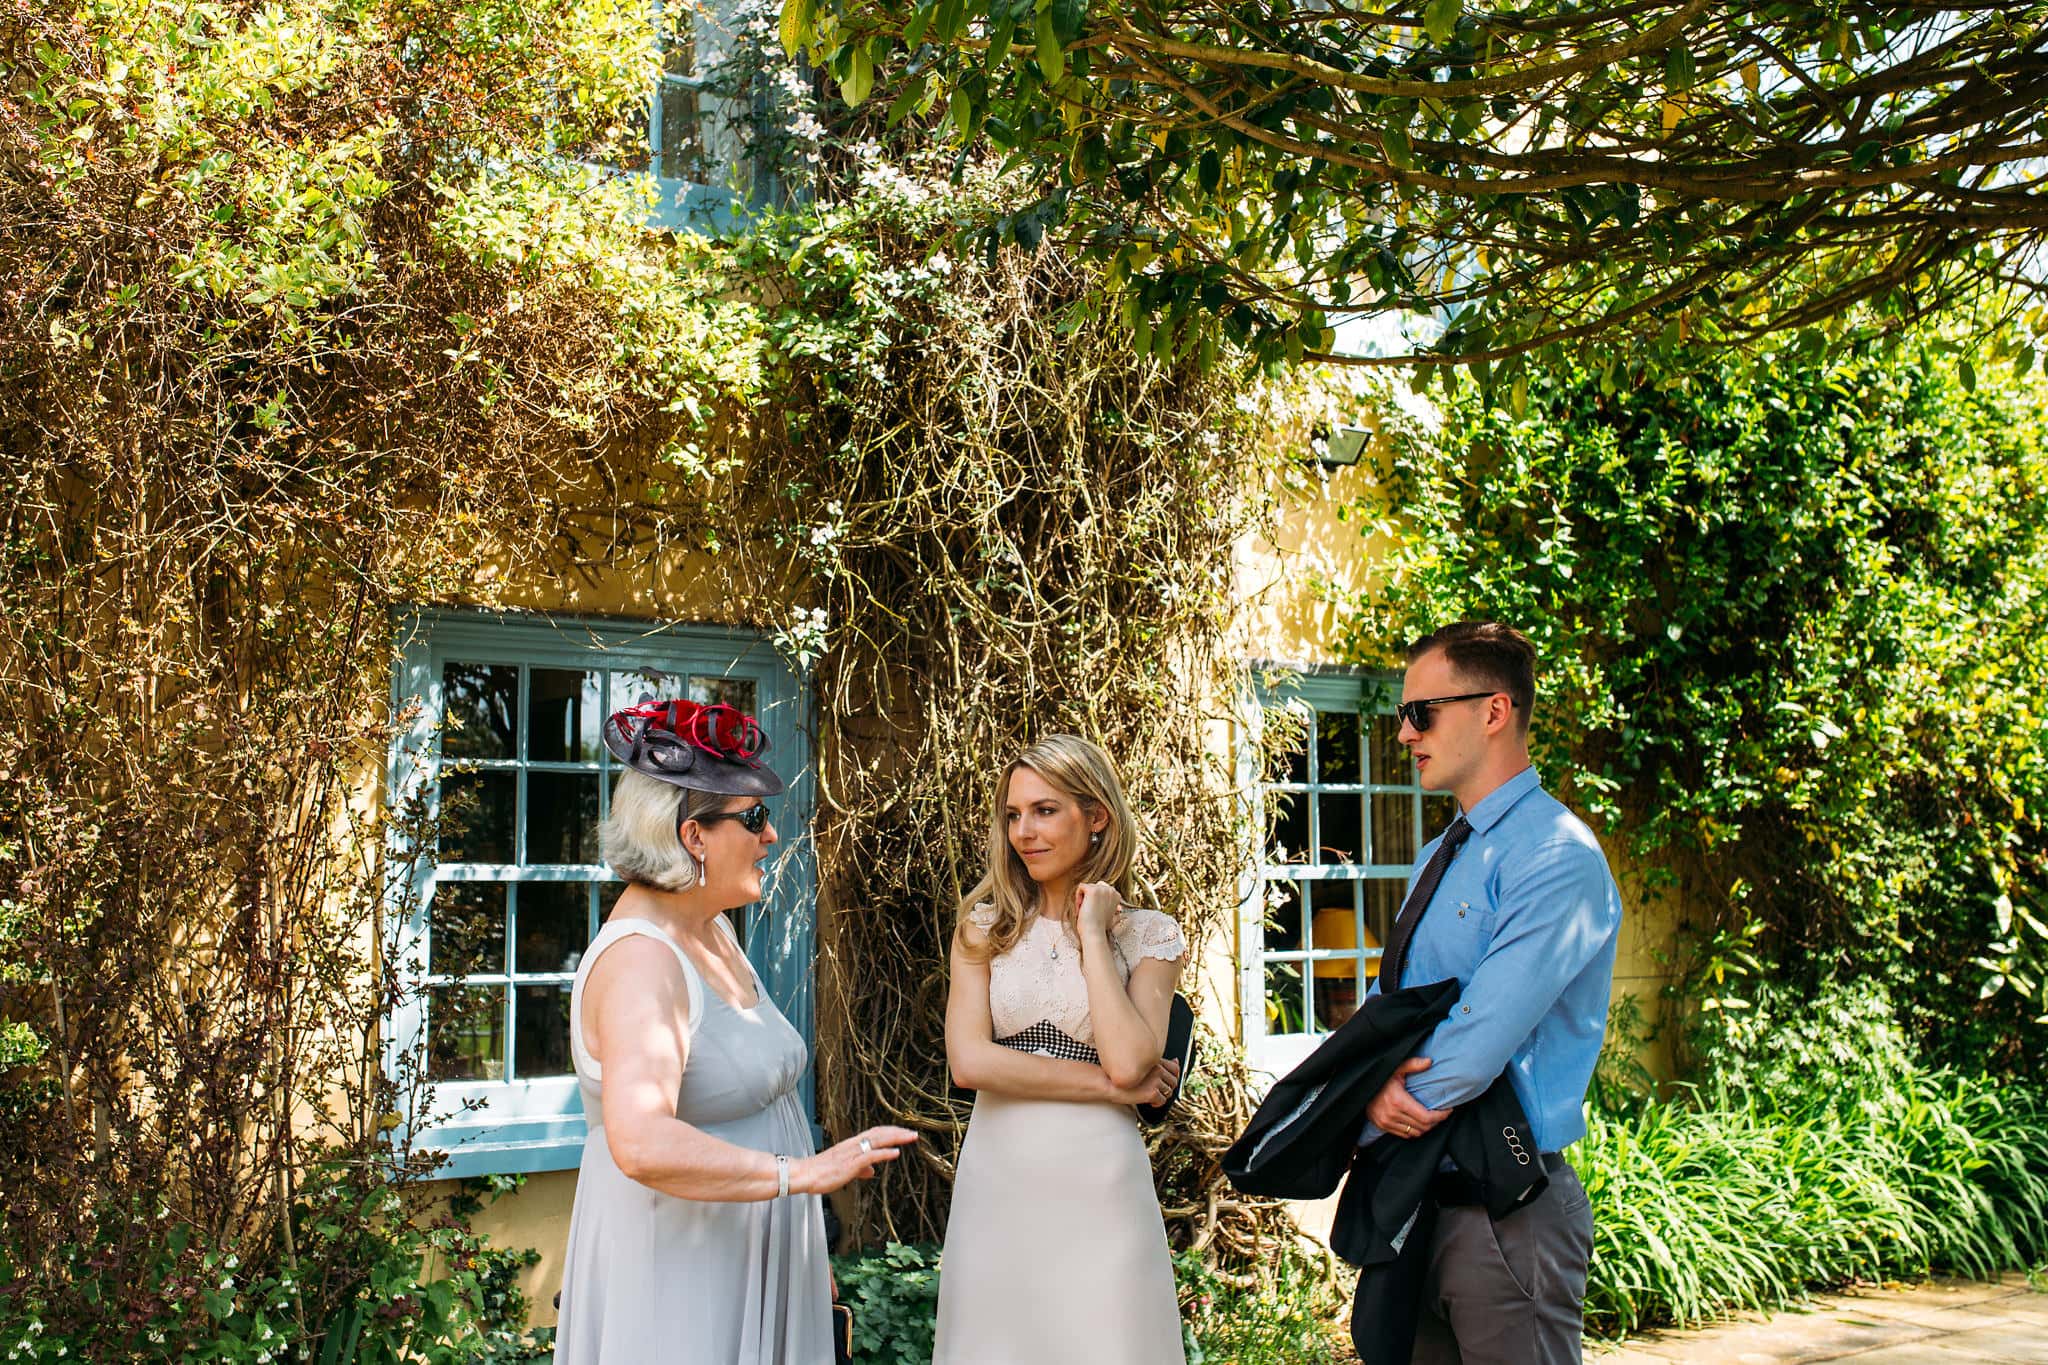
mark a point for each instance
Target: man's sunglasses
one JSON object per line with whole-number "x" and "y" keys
{"x": 753, "y": 819}
{"x": 1416, "y": 713}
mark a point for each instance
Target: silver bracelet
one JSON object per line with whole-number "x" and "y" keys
{"x": 781, "y": 1175}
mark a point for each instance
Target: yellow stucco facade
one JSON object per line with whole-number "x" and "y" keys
{"x": 1287, "y": 616}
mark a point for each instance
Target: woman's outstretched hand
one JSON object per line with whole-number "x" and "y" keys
{"x": 845, "y": 1162}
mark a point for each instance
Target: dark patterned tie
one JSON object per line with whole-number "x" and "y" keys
{"x": 1396, "y": 956}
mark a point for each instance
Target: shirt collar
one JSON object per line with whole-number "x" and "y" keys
{"x": 1489, "y": 809}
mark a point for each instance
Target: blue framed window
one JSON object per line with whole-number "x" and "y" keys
{"x": 1336, "y": 835}
{"x": 503, "y": 743}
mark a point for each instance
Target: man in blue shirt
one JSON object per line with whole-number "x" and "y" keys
{"x": 1522, "y": 910}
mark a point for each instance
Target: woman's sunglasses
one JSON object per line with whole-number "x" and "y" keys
{"x": 1416, "y": 713}
{"x": 753, "y": 819}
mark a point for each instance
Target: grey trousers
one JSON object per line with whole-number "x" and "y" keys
{"x": 1512, "y": 1292}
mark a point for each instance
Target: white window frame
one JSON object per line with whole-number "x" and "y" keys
{"x": 514, "y": 1125}
{"x": 1329, "y": 691}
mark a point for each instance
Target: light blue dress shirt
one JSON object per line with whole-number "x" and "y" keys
{"x": 1526, "y": 918}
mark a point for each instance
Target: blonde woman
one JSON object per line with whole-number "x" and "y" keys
{"x": 696, "y": 1233}
{"x": 1061, "y": 990}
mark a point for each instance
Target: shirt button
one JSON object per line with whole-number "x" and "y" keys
{"x": 1465, "y": 1008}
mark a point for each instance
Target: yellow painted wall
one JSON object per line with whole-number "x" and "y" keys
{"x": 1285, "y": 617}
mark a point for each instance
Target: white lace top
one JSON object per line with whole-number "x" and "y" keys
{"x": 1039, "y": 981}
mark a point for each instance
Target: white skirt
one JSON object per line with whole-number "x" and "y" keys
{"x": 1055, "y": 1250}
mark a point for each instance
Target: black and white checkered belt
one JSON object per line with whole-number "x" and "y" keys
{"x": 1046, "y": 1039}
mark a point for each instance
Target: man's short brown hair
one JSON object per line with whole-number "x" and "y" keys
{"x": 1491, "y": 655}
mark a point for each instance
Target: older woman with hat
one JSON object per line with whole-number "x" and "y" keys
{"x": 697, "y": 1233}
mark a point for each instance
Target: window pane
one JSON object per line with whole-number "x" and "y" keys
{"x": 1390, "y": 763}
{"x": 1393, "y": 830}
{"x": 554, "y": 929}
{"x": 608, "y": 894}
{"x": 468, "y": 937}
{"x": 1382, "y": 905}
{"x": 711, "y": 689}
{"x": 478, "y": 706}
{"x": 561, "y": 817}
{"x": 631, "y": 687}
{"x": 1287, "y": 828}
{"x": 466, "y": 1033}
{"x": 1437, "y": 814}
{"x": 1336, "y": 992}
{"x": 542, "y": 1041}
{"x": 1343, "y": 818}
{"x": 1284, "y": 731}
{"x": 1284, "y": 1005}
{"x": 1283, "y": 917}
{"x": 1337, "y": 757}
{"x": 476, "y": 816}
{"x": 565, "y": 707}
{"x": 682, "y": 132}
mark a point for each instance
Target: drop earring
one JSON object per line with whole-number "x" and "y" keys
{"x": 1095, "y": 838}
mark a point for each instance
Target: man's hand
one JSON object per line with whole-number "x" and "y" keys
{"x": 1399, "y": 1114}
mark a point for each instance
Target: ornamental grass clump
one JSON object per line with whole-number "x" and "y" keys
{"x": 1777, "y": 1178}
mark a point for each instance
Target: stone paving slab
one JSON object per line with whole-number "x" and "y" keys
{"x": 1940, "y": 1322}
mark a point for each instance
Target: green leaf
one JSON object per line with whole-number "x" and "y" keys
{"x": 860, "y": 77}
{"x": 1399, "y": 152}
{"x": 907, "y": 98}
{"x": 1069, "y": 19}
{"x": 915, "y": 26}
{"x": 799, "y": 23}
{"x": 1440, "y": 20}
{"x": 1051, "y": 57}
{"x": 1967, "y": 372}
{"x": 1209, "y": 171}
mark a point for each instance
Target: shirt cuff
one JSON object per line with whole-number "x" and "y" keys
{"x": 1369, "y": 1134}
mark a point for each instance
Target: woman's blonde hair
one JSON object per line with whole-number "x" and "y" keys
{"x": 642, "y": 839}
{"x": 1084, "y": 773}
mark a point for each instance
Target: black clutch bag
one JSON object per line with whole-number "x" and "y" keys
{"x": 842, "y": 1334}
{"x": 1180, "y": 1047}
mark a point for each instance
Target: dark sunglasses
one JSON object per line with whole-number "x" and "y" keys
{"x": 753, "y": 819}
{"x": 1416, "y": 713}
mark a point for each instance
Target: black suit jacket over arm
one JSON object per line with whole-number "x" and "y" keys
{"x": 1304, "y": 1138}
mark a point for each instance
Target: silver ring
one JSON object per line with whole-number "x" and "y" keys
{"x": 866, "y": 1146}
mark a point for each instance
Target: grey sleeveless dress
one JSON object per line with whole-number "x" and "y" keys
{"x": 652, "y": 1278}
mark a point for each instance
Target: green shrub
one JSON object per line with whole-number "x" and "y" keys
{"x": 1819, "y": 1149}
{"x": 359, "y": 1282}
{"x": 1790, "y": 614}
{"x": 1281, "y": 1316}
{"x": 894, "y": 1294}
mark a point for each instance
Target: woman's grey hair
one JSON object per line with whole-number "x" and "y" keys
{"x": 640, "y": 837}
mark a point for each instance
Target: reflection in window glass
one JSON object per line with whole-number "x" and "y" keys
{"x": 468, "y": 929}
{"x": 554, "y": 926}
{"x": 1285, "y": 1008}
{"x": 710, "y": 689}
{"x": 1283, "y": 916}
{"x": 541, "y": 1041}
{"x": 561, "y": 817}
{"x": 563, "y": 715}
{"x": 1337, "y": 755}
{"x": 476, "y": 816}
{"x": 466, "y": 1033}
{"x": 478, "y": 703}
{"x": 1350, "y": 884}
